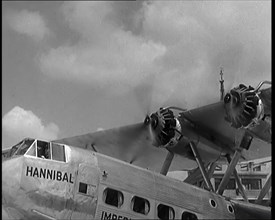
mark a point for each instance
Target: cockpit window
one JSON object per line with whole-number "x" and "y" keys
{"x": 43, "y": 149}
{"x": 58, "y": 152}
{"x": 32, "y": 150}
{"x": 24, "y": 146}
{"x": 19, "y": 149}
{"x": 15, "y": 148}
{"x": 37, "y": 148}
{"x": 47, "y": 150}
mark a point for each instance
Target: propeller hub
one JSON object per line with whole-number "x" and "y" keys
{"x": 227, "y": 98}
{"x": 147, "y": 120}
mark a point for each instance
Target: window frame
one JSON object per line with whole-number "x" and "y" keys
{"x": 49, "y": 147}
{"x": 27, "y": 152}
{"x": 191, "y": 214}
{"x": 104, "y": 197}
{"x": 84, "y": 184}
{"x": 170, "y": 207}
{"x": 27, "y": 145}
{"x": 145, "y": 201}
{"x": 64, "y": 149}
{"x": 33, "y": 145}
{"x": 15, "y": 148}
{"x": 51, "y": 153}
{"x": 249, "y": 183}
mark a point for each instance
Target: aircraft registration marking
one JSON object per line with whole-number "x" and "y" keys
{"x": 113, "y": 216}
{"x": 49, "y": 174}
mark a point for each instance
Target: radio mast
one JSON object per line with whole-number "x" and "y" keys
{"x": 221, "y": 86}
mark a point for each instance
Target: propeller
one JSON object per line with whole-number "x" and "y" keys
{"x": 158, "y": 90}
{"x": 163, "y": 130}
{"x": 143, "y": 93}
{"x": 162, "y": 127}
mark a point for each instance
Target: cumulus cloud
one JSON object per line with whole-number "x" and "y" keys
{"x": 28, "y": 23}
{"x": 106, "y": 55}
{"x": 125, "y": 62}
{"x": 201, "y": 37}
{"x": 182, "y": 43}
{"x": 20, "y": 123}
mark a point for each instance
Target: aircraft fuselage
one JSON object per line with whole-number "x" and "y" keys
{"x": 89, "y": 185}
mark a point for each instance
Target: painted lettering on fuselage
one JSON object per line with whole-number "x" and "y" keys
{"x": 113, "y": 216}
{"x": 49, "y": 174}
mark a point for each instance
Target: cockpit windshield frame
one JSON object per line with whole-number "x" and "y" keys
{"x": 21, "y": 148}
{"x": 48, "y": 151}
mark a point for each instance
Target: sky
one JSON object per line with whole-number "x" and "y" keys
{"x": 71, "y": 68}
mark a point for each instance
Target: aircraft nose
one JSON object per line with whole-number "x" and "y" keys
{"x": 11, "y": 177}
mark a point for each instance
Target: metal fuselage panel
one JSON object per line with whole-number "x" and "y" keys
{"x": 157, "y": 189}
{"x": 51, "y": 189}
{"x": 47, "y": 189}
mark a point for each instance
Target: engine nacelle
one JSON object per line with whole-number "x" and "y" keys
{"x": 165, "y": 127}
{"x": 243, "y": 107}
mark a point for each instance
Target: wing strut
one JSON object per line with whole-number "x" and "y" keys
{"x": 264, "y": 190}
{"x": 167, "y": 163}
{"x": 201, "y": 166}
{"x": 211, "y": 171}
{"x": 238, "y": 180}
{"x": 244, "y": 144}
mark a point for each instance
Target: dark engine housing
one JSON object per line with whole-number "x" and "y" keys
{"x": 243, "y": 106}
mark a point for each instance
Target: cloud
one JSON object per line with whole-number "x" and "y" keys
{"x": 125, "y": 62}
{"x": 28, "y": 23}
{"x": 200, "y": 37}
{"x": 182, "y": 43}
{"x": 20, "y": 123}
{"x": 106, "y": 55}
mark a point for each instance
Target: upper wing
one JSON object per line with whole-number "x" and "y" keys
{"x": 209, "y": 125}
{"x": 130, "y": 143}
{"x": 206, "y": 126}
{"x": 212, "y": 119}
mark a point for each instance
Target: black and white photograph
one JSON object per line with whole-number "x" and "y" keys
{"x": 136, "y": 109}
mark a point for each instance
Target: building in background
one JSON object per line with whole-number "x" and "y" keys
{"x": 253, "y": 174}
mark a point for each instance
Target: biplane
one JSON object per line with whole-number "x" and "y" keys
{"x": 121, "y": 173}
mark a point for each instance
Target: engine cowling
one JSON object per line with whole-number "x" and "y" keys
{"x": 165, "y": 127}
{"x": 243, "y": 106}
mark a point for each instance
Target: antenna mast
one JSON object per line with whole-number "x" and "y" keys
{"x": 221, "y": 82}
